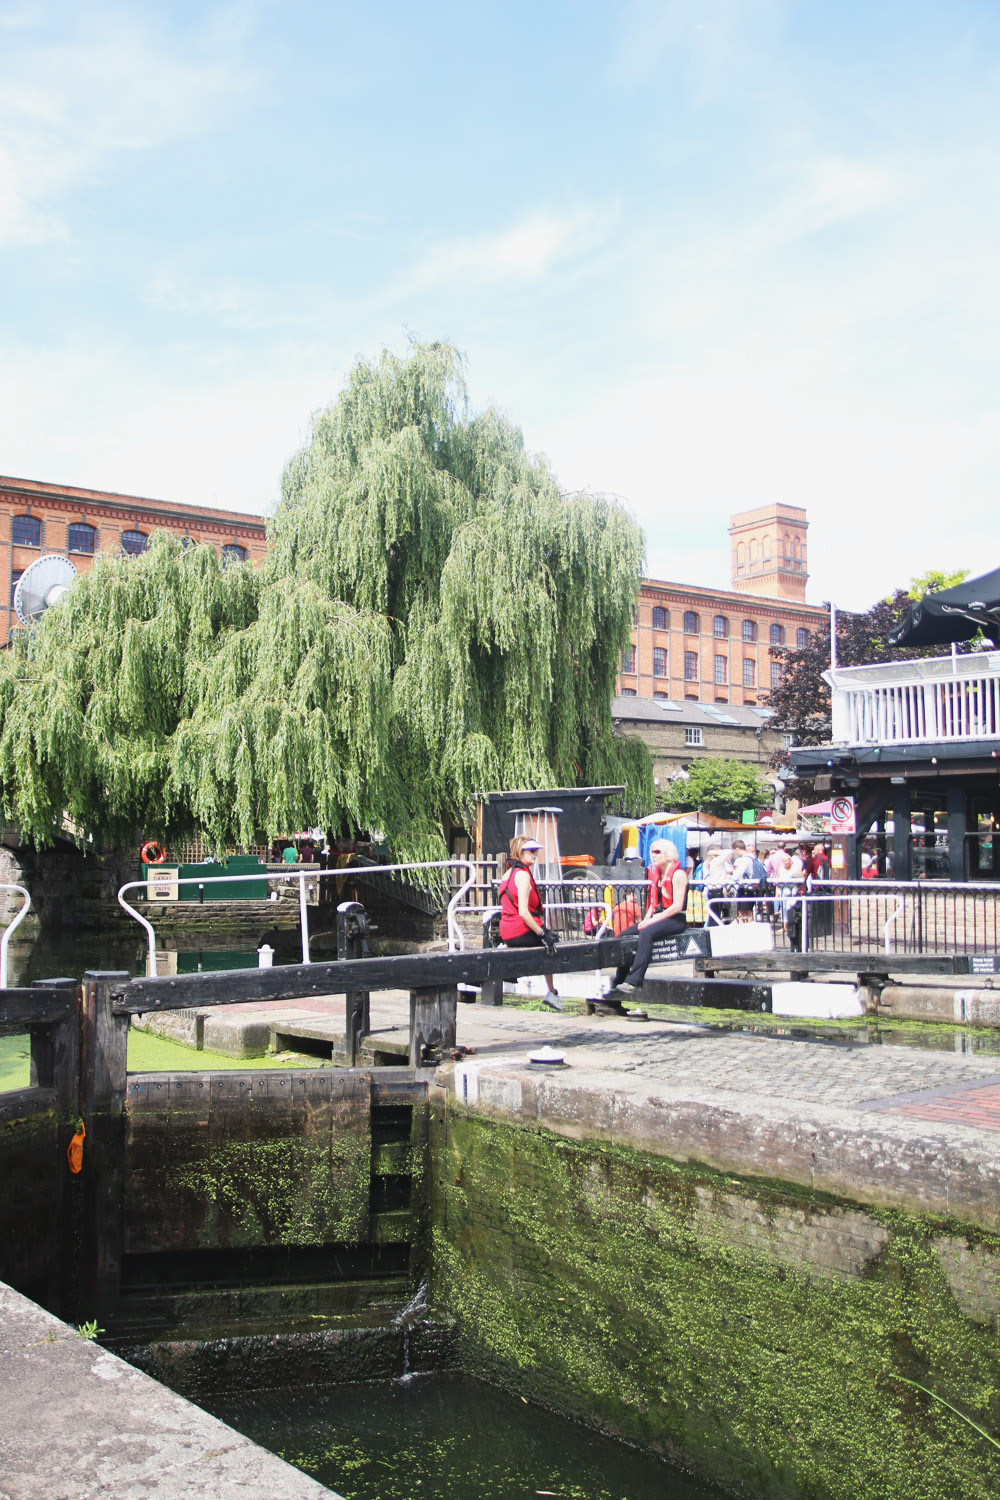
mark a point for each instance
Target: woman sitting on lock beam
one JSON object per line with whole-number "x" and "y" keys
{"x": 664, "y": 913}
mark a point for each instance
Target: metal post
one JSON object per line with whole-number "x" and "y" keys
{"x": 55, "y": 1053}
{"x": 304, "y": 918}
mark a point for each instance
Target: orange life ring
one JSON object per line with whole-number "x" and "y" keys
{"x": 152, "y": 853}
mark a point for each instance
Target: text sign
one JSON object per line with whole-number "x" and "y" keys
{"x": 984, "y": 963}
{"x": 843, "y": 818}
{"x": 686, "y": 945}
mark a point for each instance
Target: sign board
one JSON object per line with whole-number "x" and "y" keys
{"x": 687, "y": 945}
{"x": 843, "y": 818}
{"x": 749, "y": 815}
{"x": 161, "y": 883}
{"x": 984, "y": 963}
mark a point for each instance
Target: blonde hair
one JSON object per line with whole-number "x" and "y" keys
{"x": 517, "y": 845}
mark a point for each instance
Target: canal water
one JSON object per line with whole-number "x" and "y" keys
{"x": 446, "y": 1437}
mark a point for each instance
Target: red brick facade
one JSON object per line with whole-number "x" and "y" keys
{"x": 78, "y": 523}
{"x": 713, "y": 645}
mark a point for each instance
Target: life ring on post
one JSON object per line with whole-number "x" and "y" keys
{"x": 152, "y": 853}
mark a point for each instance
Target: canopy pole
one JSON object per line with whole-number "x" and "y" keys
{"x": 833, "y": 636}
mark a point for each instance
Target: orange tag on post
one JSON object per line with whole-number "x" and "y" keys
{"x": 74, "y": 1151}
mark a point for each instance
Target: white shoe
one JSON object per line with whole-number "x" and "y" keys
{"x": 551, "y": 999}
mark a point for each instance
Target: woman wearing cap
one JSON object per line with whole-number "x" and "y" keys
{"x": 664, "y": 912}
{"x": 522, "y": 913}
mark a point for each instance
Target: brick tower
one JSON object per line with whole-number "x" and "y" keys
{"x": 768, "y": 552}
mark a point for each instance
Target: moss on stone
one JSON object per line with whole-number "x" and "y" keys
{"x": 664, "y": 1304}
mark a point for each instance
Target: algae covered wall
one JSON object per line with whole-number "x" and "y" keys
{"x": 754, "y": 1331}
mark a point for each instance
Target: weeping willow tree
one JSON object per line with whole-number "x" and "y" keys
{"x": 434, "y": 620}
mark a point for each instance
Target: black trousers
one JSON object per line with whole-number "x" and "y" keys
{"x": 664, "y": 927}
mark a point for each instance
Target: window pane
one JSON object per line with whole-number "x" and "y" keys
{"x": 777, "y": 635}
{"x": 81, "y": 537}
{"x": 690, "y": 622}
{"x": 749, "y": 672}
{"x": 26, "y": 531}
{"x": 628, "y": 692}
{"x": 690, "y": 666}
{"x": 802, "y": 639}
{"x": 659, "y": 662}
{"x": 749, "y": 630}
{"x": 720, "y": 627}
{"x": 692, "y": 736}
{"x": 134, "y": 542}
{"x": 15, "y": 574}
{"x": 720, "y": 669}
{"x": 659, "y": 619}
{"x": 231, "y": 552}
{"x": 775, "y": 674}
{"x": 628, "y": 659}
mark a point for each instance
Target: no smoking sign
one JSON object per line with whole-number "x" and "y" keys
{"x": 842, "y": 815}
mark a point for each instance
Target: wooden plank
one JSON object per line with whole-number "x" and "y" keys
{"x": 36, "y": 1006}
{"x": 432, "y": 1023}
{"x": 103, "y": 1040}
{"x": 852, "y": 963}
{"x": 408, "y": 971}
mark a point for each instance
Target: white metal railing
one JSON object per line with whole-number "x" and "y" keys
{"x": 309, "y": 873}
{"x": 914, "y": 702}
{"x": 718, "y": 906}
{"x": 18, "y": 919}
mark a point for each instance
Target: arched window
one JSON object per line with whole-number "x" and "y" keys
{"x": 659, "y": 662}
{"x": 691, "y": 625}
{"x": 720, "y": 627}
{"x": 26, "y": 531}
{"x": 801, "y": 639}
{"x": 660, "y": 618}
{"x": 81, "y": 537}
{"x": 749, "y": 630}
{"x": 134, "y": 542}
{"x": 777, "y": 635}
{"x": 628, "y": 659}
{"x": 233, "y": 552}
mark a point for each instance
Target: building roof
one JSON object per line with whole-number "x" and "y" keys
{"x": 736, "y": 597}
{"x": 685, "y": 711}
{"x": 32, "y": 489}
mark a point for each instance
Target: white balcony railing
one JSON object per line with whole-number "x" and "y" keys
{"x": 917, "y": 702}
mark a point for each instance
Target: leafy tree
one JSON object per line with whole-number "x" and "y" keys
{"x": 434, "y": 620}
{"x": 722, "y": 787}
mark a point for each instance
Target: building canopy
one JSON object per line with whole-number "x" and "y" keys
{"x": 955, "y": 614}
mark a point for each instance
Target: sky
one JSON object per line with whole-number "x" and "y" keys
{"x": 708, "y": 254}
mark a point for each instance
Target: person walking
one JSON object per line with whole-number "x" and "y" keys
{"x": 522, "y": 911}
{"x": 664, "y": 913}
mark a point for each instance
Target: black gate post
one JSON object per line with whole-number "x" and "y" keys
{"x": 352, "y": 929}
{"x": 433, "y": 1023}
{"x": 55, "y": 1065}
{"x": 103, "y": 1067}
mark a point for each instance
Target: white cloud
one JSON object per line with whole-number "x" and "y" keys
{"x": 527, "y": 251}
{"x": 110, "y": 84}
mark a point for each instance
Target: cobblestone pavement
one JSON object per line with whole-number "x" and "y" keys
{"x": 847, "y": 1074}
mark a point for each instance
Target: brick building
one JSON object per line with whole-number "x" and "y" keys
{"x": 700, "y": 645}
{"x": 39, "y": 518}
{"x": 678, "y": 734}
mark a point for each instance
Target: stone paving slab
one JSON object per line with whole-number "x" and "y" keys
{"x": 78, "y": 1423}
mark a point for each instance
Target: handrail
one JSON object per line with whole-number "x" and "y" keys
{"x": 11, "y": 927}
{"x": 301, "y": 876}
{"x": 804, "y": 898}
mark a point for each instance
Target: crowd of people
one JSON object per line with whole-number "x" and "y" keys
{"x": 736, "y": 885}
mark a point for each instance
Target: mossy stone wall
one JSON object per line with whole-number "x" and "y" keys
{"x": 748, "y": 1329}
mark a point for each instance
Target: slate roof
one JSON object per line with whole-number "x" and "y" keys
{"x": 684, "y": 711}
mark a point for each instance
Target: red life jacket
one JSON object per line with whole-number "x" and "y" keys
{"x": 661, "y": 888}
{"x": 512, "y": 923}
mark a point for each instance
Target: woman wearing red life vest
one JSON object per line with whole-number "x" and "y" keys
{"x": 522, "y": 913}
{"x": 664, "y": 912}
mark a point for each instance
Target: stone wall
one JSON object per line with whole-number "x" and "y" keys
{"x": 760, "y": 1333}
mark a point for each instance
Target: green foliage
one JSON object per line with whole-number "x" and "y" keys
{"x": 721, "y": 787}
{"x": 434, "y": 620}
{"x": 932, "y": 582}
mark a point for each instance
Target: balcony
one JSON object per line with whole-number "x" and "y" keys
{"x": 945, "y": 698}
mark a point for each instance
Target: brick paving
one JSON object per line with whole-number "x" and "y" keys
{"x": 950, "y": 1089}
